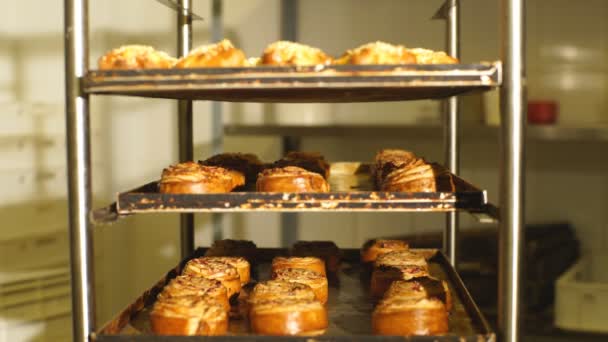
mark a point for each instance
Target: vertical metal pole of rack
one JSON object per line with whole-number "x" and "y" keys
{"x": 289, "y": 31}
{"x": 217, "y": 125}
{"x": 451, "y": 136}
{"x": 184, "y": 124}
{"x": 79, "y": 168}
{"x": 513, "y": 109}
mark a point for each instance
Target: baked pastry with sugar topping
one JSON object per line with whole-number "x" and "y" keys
{"x": 328, "y": 251}
{"x": 280, "y": 289}
{"x": 220, "y": 54}
{"x": 187, "y": 285}
{"x": 188, "y": 316}
{"x": 426, "y": 56}
{"x": 309, "y": 263}
{"x": 403, "y": 317}
{"x": 419, "y": 176}
{"x": 193, "y": 178}
{"x": 378, "y": 53}
{"x": 291, "y": 179}
{"x": 316, "y": 281}
{"x": 241, "y": 264}
{"x": 373, "y": 248}
{"x": 135, "y": 57}
{"x": 420, "y": 288}
{"x": 387, "y": 160}
{"x": 383, "y": 276}
{"x": 284, "y": 53}
{"x": 288, "y": 317}
{"x": 401, "y": 258}
{"x": 311, "y": 161}
{"x": 214, "y": 269}
{"x": 242, "y": 164}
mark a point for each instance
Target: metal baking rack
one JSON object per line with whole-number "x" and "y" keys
{"x": 509, "y": 74}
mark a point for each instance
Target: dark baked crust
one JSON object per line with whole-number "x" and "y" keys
{"x": 316, "y": 281}
{"x": 283, "y": 53}
{"x": 193, "y": 178}
{"x": 328, "y": 251}
{"x": 311, "y": 161}
{"x": 387, "y": 160}
{"x": 288, "y": 317}
{"x": 384, "y": 276}
{"x": 247, "y": 164}
{"x": 378, "y": 53}
{"x": 410, "y": 317}
{"x": 373, "y": 248}
{"x": 135, "y": 57}
{"x": 220, "y": 54}
{"x": 310, "y": 263}
{"x": 291, "y": 179}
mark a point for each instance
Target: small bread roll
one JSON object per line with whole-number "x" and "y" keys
{"x": 316, "y": 281}
{"x": 325, "y": 250}
{"x": 401, "y": 258}
{"x": 284, "y": 53}
{"x": 383, "y": 276}
{"x": 135, "y": 57}
{"x": 410, "y": 317}
{"x": 373, "y": 248}
{"x": 187, "y": 285}
{"x": 193, "y": 178}
{"x": 221, "y": 54}
{"x": 280, "y": 289}
{"x": 378, "y": 53}
{"x": 420, "y": 288}
{"x": 291, "y": 179}
{"x": 188, "y": 316}
{"x": 288, "y": 317}
{"x": 213, "y": 269}
{"x": 241, "y": 264}
{"x": 309, "y": 263}
{"x": 426, "y": 56}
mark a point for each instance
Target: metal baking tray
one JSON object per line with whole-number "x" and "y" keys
{"x": 352, "y": 190}
{"x": 340, "y": 83}
{"x": 349, "y": 307}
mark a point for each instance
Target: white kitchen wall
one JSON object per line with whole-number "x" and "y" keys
{"x": 133, "y": 139}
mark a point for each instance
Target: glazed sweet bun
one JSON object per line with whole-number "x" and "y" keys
{"x": 421, "y": 288}
{"x": 288, "y": 317}
{"x": 283, "y": 53}
{"x": 316, "y": 281}
{"x": 135, "y": 57}
{"x": 309, "y": 263}
{"x": 193, "y": 178}
{"x": 213, "y": 269}
{"x": 187, "y": 285}
{"x": 221, "y": 54}
{"x": 188, "y": 316}
{"x": 402, "y": 317}
{"x": 327, "y": 251}
{"x": 401, "y": 258}
{"x": 241, "y": 264}
{"x": 377, "y": 53}
{"x": 291, "y": 179}
{"x": 246, "y": 164}
{"x": 229, "y": 247}
{"x": 280, "y": 289}
{"x": 384, "y": 276}
{"x": 426, "y": 56}
{"x": 375, "y": 247}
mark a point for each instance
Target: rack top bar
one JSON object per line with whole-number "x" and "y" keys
{"x": 340, "y": 83}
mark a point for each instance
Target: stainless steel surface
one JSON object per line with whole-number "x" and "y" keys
{"x": 217, "y": 125}
{"x": 79, "y": 168}
{"x": 184, "y": 124}
{"x": 513, "y": 110}
{"x": 349, "y": 306}
{"x": 451, "y": 125}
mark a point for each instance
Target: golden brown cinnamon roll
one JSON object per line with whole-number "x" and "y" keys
{"x": 309, "y": 263}
{"x": 384, "y": 276}
{"x": 220, "y": 54}
{"x": 283, "y": 53}
{"x": 421, "y": 288}
{"x": 310, "y": 161}
{"x": 213, "y": 269}
{"x": 426, "y": 56}
{"x": 410, "y": 317}
{"x": 316, "y": 281}
{"x": 378, "y": 53}
{"x": 280, "y": 289}
{"x": 135, "y": 57}
{"x": 373, "y": 248}
{"x": 291, "y": 179}
{"x": 187, "y": 285}
{"x": 188, "y": 316}
{"x": 241, "y": 264}
{"x": 193, "y": 178}
{"x": 419, "y": 177}
{"x": 401, "y": 258}
{"x": 288, "y": 317}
